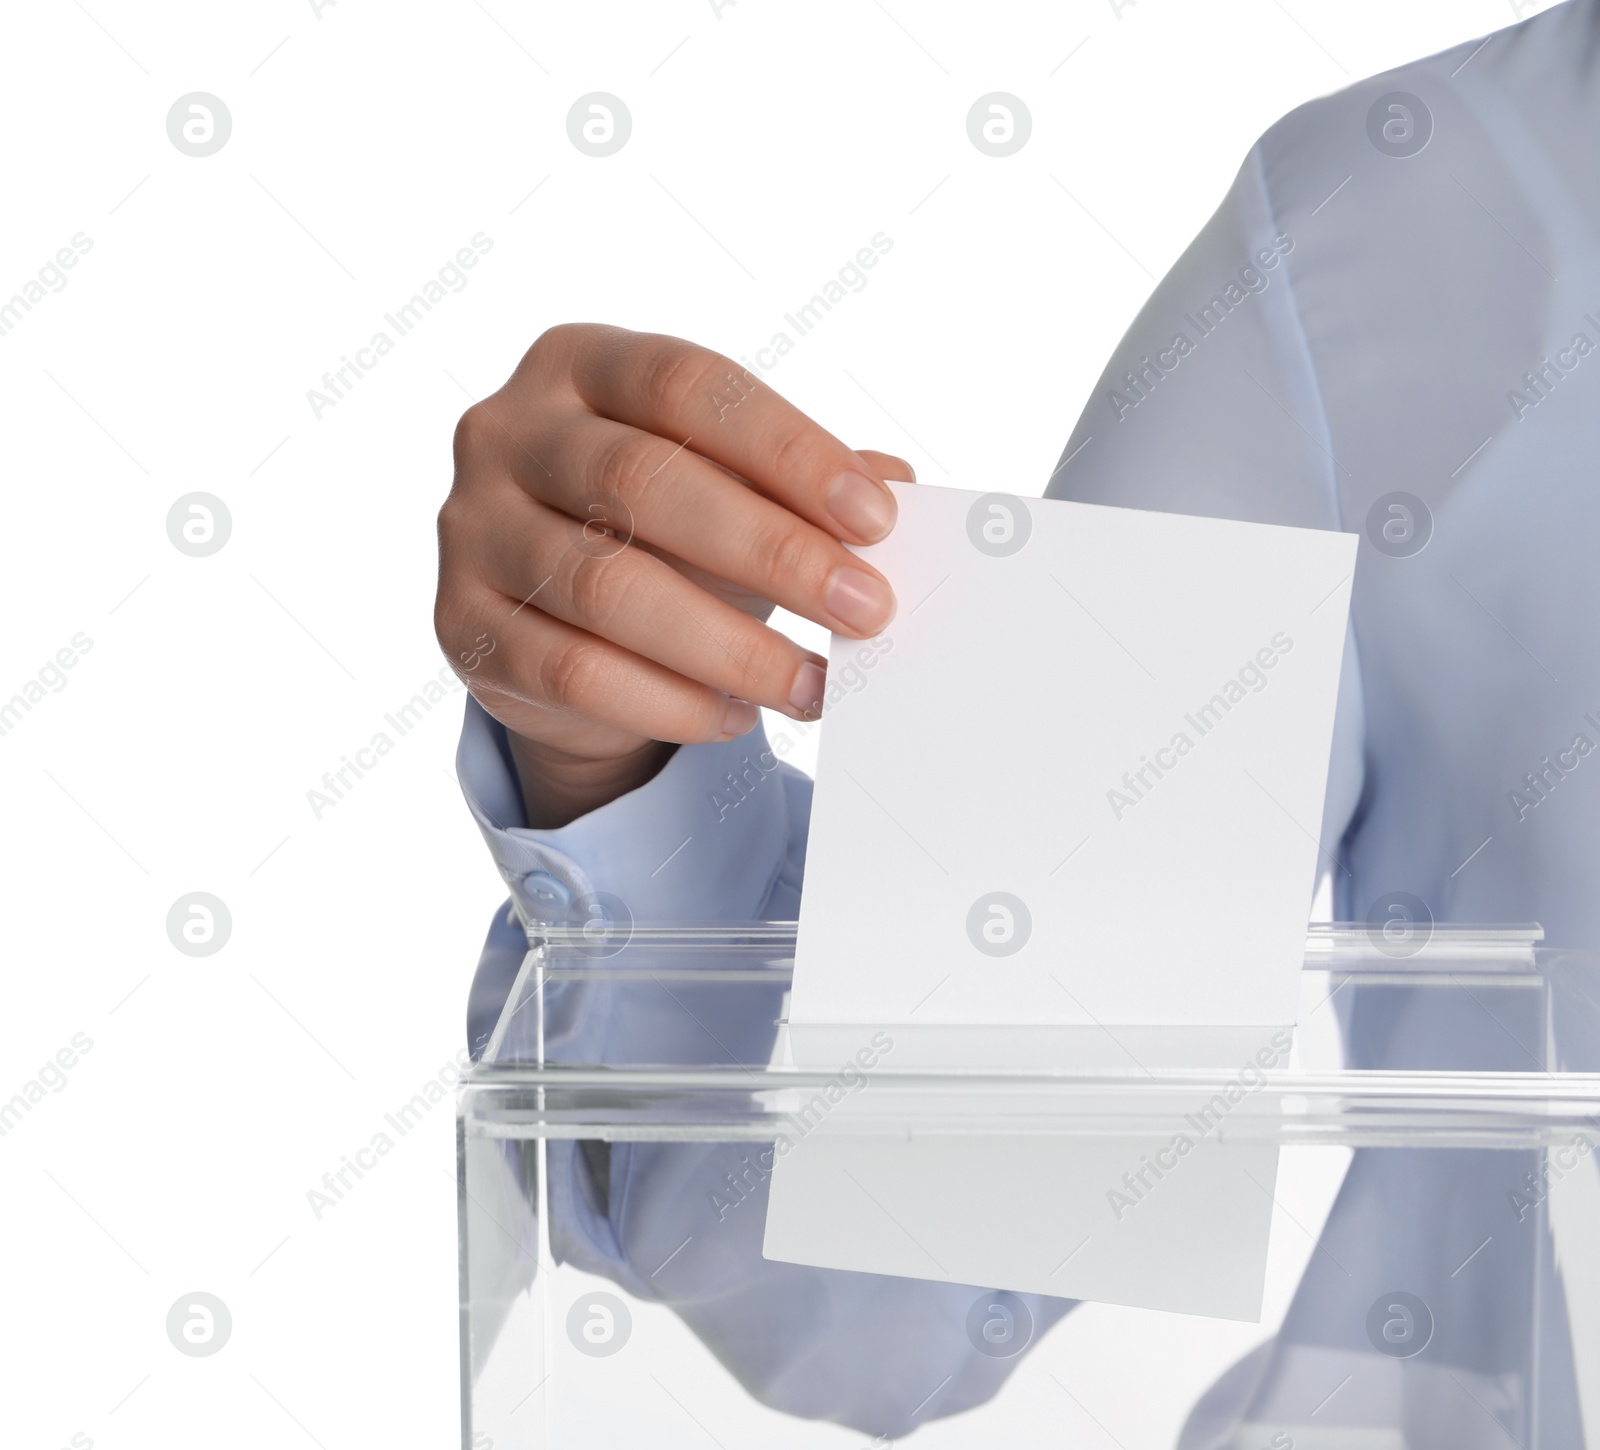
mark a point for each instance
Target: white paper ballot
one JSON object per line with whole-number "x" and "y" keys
{"x": 1080, "y": 779}
{"x": 1076, "y": 785}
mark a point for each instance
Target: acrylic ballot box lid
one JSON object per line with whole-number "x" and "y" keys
{"x": 1015, "y": 1078}
{"x": 1441, "y": 1085}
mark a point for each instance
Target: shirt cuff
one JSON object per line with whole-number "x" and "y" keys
{"x": 703, "y": 840}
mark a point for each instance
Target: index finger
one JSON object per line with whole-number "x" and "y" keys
{"x": 704, "y": 401}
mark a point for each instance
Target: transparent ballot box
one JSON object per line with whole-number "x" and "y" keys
{"x": 1428, "y": 1210}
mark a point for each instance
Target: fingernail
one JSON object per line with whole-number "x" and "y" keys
{"x": 862, "y": 508}
{"x": 862, "y": 601}
{"x": 805, "y": 697}
{"x": 741, "y": 718}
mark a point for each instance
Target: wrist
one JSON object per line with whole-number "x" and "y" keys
{"x": 558, "y": 786}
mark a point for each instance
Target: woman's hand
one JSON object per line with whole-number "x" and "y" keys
{"x": 626, "y": 512}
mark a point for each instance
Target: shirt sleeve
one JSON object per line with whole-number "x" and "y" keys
{"x": 1211, "y": 405}
{"x": 718, "y": 835}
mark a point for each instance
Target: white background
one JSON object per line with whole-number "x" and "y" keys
{"x": 369, "y": 143}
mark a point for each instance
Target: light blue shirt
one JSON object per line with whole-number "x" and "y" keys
{"x": 1391, "y": 325}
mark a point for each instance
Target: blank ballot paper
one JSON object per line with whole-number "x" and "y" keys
{"x": 1066, "y": 813}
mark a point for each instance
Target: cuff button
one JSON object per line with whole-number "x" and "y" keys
{"x": 545, "y": 892}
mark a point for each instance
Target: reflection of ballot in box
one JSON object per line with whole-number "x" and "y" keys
{"x": 1433, "y": 1278}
